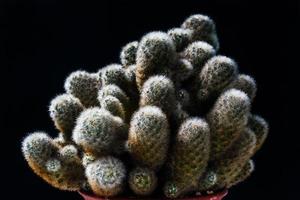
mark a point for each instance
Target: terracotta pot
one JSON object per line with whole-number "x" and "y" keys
{"x": 217, "y": 196}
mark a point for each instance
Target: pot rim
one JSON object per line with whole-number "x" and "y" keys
{"x": 212, "y": 196}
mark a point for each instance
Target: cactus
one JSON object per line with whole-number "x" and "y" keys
{"x": 234, "y": 159}
{"x": 182, "y": 71}
{"x": 173, "y": 113}
{"x": 106, "y": 176}
{"x": 203, "y": 29}
{"x": 96, "y": 131}
{"x": 227, "y": 119}
{"x": 246, "y": 84}
{"x": 84, "y": 86}
{"x": 260, "y": 128}
{"x": 142, "y": 181}
{"x": 159, "y": 91}
{"x": 246, "y": 171}
{"x": 114, "y": 74}
{"x": 46, "y": 160}
{"x": 64, "y": 110}
{"x": 128, "y": 54}
{"x": 189, "y": 156}
{"x": 181, "y": 37}
{"x": 148, "y": 137}
{"x": 155, "y": 54}
{"x": 207, "y": 181}
{"x": 114, "y": 106}
{"x": 216, "y": 74}
{"x": 197, "y": 53}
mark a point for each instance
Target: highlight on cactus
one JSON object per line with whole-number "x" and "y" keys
{"x": 172, "y": 119}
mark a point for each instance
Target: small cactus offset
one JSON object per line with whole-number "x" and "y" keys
{"x": 142, "y": 181}
{"x": 173, "y": 118}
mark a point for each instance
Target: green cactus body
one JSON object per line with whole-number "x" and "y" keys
{"x": 64, "y": 110}
{"x": 235, "y": 158}
{"x": 96, "y": 131}
{"x": 260, "y": 128}
{"x": 117, "y": 92}
{"x": 203, "y": 29}
{"x": 189, "y": 156}
{"x": 216, "y": 74}
{"x": 197, "y": 53}
{"x": 227, "y": 119}
{"x": 148, "y": 138}
{"x": 181, "y": 37}
{"x": 114, "y": 106}
{"x": 128, "y": 54}
{"x": 114, "y": 74}
{"x": 84, "y": 86}
{"x": 159, "y": 91}
{"x": 142, "y": 181}
{"x": 246, "y": 171}
{"x": 155, "y": 54}
{"x": 106, "y": 176}
{"x": 246, "y": 84}
{"x": 43, "y": 156}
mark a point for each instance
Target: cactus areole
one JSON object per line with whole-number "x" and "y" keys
{"x": 171, "y": 120}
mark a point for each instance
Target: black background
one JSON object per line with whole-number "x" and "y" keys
{"x": 46, "y": 40}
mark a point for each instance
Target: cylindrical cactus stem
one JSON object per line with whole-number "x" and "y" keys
{"x": 189, "y": 156}
{"x": 234, "y": 159}
{"x": 69, "y": 153}
{"x": 182, "y": 71}
{"x": 114, "y": 74}
{"x": 203, "y": 29}
{"x": 155, "y": 54}
{"x": 64, "y": 110}
{"x": 130, "y": 75}
{"x": 84, "y": 86}
{"x": 106, "y": 176}
{"x": 260, "y": 128}
{"x": 216, "y": 74}
{"x": 197, "y": 53}
{"x": 181, "y": 37}
{"x": 44, "y": 157}
{"x": 227, "y": 119}
{"x": 246, "y": 84}
{"x": 148, "y": 137}
{"x": 207, "y": 181}
{"x": 114, "y": 106}
{"x": 142, "y": 181}
{"x": 128, "y": 54}
{"x": 115, "y": 91}
{"x": 96, "y": 131}
{"x": 159, "y": 91}
{"x": 245, "y": 173}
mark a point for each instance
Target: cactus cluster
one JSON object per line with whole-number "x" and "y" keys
{"x": 173, "y": 118}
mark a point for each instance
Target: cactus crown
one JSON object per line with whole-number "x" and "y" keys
{"x": 173, "y": 115}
